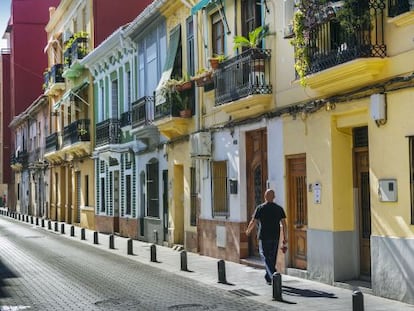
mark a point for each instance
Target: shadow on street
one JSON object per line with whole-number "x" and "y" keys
{"x": 5, "y": 273}
{"x": 292, "y": 291}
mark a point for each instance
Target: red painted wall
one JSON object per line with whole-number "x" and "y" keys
{"x": 5, "y": 166}
{"x": 28, "y": 39}
{"x": 109, "y": 16}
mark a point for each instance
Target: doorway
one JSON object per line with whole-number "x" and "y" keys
{"x": 256, "y": 174}
{"x": 362, "y": 185}
{"x": 297, "y": 210}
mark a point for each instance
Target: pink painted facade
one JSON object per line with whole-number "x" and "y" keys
{"x": 106, "y": 22}
{"x": 23, "y": 79}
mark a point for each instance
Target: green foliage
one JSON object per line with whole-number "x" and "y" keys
{"x": 253, "y": 40}
{"x": 301, "y": 48}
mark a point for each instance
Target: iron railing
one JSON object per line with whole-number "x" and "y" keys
{"x": 21, "y": 157}
{"x": 52, "y": 142}
{"x": 397, "y": 7}
{"x": 243, "y": 75}
{"x": 76, "y": 132}
{"x": 333, "y": 41}
{"x": 142, "y": 111}
{"x": 108, "y": 132}
{"x": 77, "y": 51}
{"x": 125, "y": 118}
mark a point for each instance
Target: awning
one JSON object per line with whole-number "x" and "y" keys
{"x": 201, "y": 5}
{"x": 175, "y": 37}
{"x": 73, "y": 91}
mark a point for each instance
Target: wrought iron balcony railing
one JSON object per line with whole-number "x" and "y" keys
{"x": 78, "y": 50}
{"x": 52, "y": 142}
{"x": 125, "y": 118}
{"x": 341, "y": 38}
{"x": 243, "y": 75}
{"x": 170, "y": 108}
{"x": 54, "y": 75}
{"x": 142, "y": 111}
{"x": 21, "y": 157}
{"x": 108, "y": 132}
{"x": 397, "y": 7}
{"x": 76, "y": 132}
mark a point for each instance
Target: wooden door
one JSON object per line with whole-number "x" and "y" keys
{"x": 364, "y": 210}
{"x": 297, "y": 210}
{"x": 256, "y": 174}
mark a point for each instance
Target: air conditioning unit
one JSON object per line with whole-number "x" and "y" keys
{"x": 200, "y": 144}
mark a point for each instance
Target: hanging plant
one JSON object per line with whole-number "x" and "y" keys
{"x": 300, "y": 45}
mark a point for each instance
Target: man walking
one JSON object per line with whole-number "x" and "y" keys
{"x": 269, "y": 216}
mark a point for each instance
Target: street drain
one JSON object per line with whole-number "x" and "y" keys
{"x": 242, "y": 292}
{"x": 190, "y": 307}
{"x": 116, "y": 302}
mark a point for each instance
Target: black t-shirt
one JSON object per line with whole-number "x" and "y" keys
{"x": 269, "y": 215}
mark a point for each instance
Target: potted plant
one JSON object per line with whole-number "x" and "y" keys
{"x": 184, "y": 83}
{"x": 216, "y": 60}
{"x": 203, "y": 77}
{"x": 253, "y": 39}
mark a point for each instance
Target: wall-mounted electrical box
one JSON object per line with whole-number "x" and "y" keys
{"x": 387, "y": 190}
{"x": 233, "y": 186}
{"x": 378, "y": 107}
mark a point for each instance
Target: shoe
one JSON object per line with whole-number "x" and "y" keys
{"x": 269, "y": 283}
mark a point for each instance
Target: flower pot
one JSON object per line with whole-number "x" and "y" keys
{"x": 186, "y": 113}
{"x": 204, "y": 79}
{"x": 214, "y": 63}
{"x": 184, "y": 86}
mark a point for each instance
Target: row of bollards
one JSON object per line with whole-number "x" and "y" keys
{"x": 357, "y": 296}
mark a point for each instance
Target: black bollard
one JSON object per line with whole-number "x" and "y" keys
{"x": 95, "y": 238}
{"x": 62, "y": 228}
{"x": 56, "y": 226}
{"x": 111, "y": 242}
{"x": 129, "y": 247}
{"x": 49, "y": 225}
{"x": 357, "y": 301}
{"x": 37, "y": 221}
{"x": 221, "y": 266}
{"x": 42, "y": 223}
{"x": 183, "y": 257}
{"x": 277, "y": 286}
{"x": 72, "y": 231}
{"x": 27, "y": 218}
{"x": 153, "y": 250}
{"x": 31, "y": 220}
{"x": 83, "y": 234}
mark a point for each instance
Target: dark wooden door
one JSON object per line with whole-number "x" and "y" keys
{"x": 364, "y": 203}
{"x": 256, "y": 173}
{"x": 297, "y": 210}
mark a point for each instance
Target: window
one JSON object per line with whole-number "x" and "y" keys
{"x": 193, "y": 197}
{"x": 128, "y": 196}
{"x": 152, "y": 49}
{"x": 217, "y": 34}
{"x": 190, "y": 47}
{"x": 411, "y": 150}
{"x": 152, "y": 190}
{"x": 251, "y": 15}
{"x": 102, "y": 103}
{"x": 128, "y": 96}
{"x": 114, "y": 97}
{"x": 219, "y": 188}
{"x": 103, "y": 201}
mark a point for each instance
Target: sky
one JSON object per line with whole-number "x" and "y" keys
{"x": 4, "y": 18}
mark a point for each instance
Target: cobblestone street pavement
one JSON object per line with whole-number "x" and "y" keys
{"x": 47, "y": 269}
{"x": 41, "y": 270}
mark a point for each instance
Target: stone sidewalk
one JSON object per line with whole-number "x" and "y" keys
{"x": 297, "y": 294}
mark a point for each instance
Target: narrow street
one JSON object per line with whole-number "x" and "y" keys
{"x": 40, "y": 270}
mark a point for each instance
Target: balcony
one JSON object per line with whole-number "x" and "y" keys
{"x": 169, "y": 114}
{"x": 142, "y": 117}
{"x": 52, "y": 151}
{"x": 125, "y": 119}
{"x": 401, "y": 11}
{"x": 19, "y": 160}
{"x": 54, "y": 81}
{"x": 108, "y": 132}
{"x": 243, "y": 84}
{"x": 76, "y": 138}
{"x": 77, "y": 49}
{"x": 346, "y": 51}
